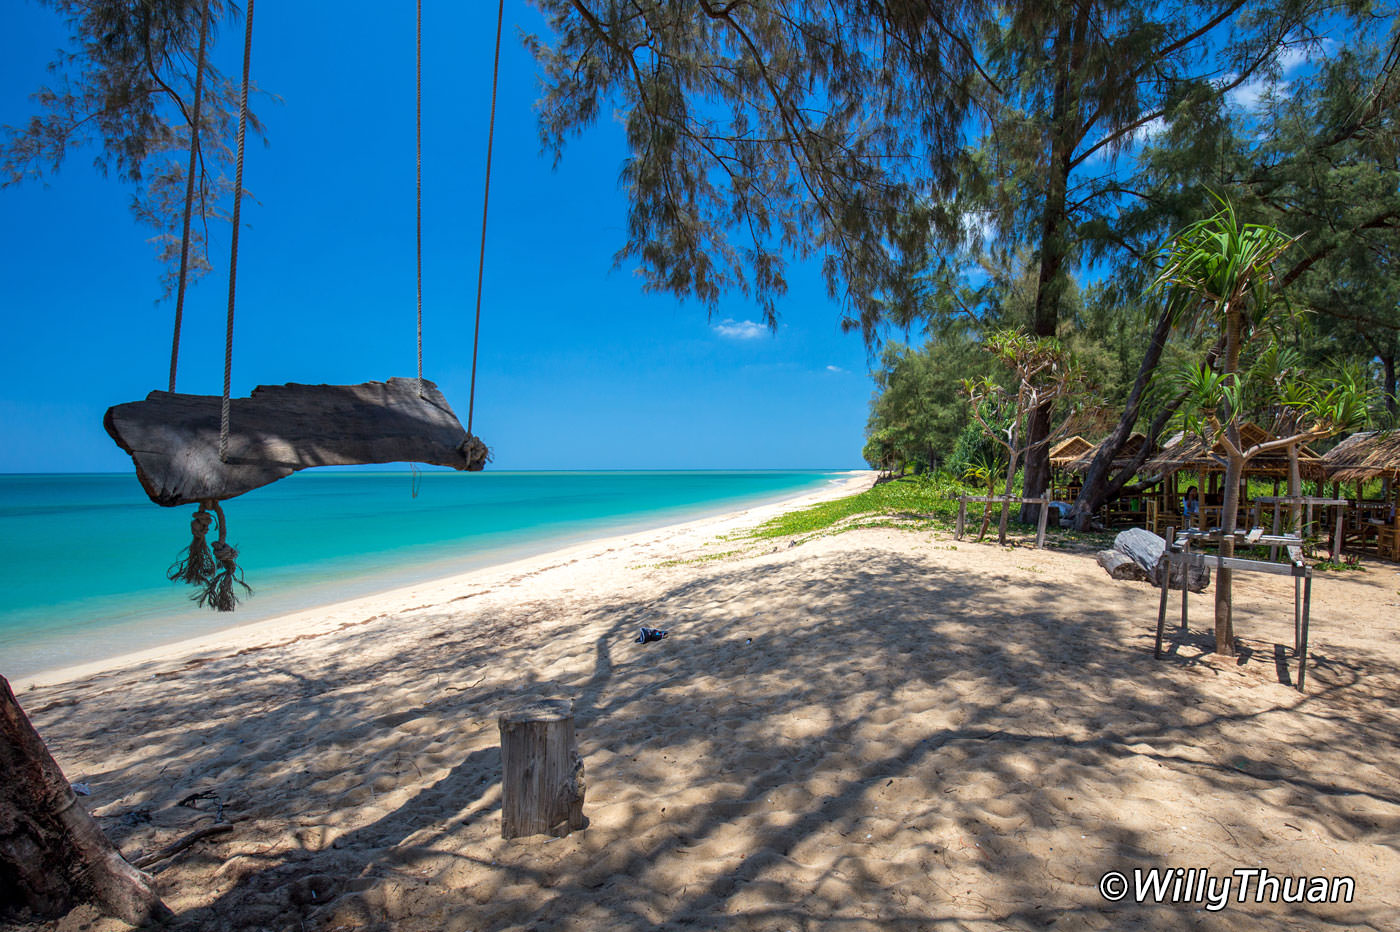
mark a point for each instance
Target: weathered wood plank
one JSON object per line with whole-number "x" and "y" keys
{"x": 174, "y": 438}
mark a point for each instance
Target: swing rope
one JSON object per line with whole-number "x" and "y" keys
{"x": 485, "y": 202}
{"x": 418, "y": 153}
{"x": 189, "y": 194}
{"x": 214, "y": 569}
{"x": 233, "y": 245}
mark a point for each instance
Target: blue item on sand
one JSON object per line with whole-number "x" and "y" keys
{"x": 647, "y": 635}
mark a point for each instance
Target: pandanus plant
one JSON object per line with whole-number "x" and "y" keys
{"x": 1218, "y": 274}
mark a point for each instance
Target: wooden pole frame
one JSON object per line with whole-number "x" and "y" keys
{"x": 1178, "y": 554}
{"x": 1004, "y": 500}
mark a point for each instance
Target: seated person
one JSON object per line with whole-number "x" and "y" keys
{"x": 1191, "y": 504}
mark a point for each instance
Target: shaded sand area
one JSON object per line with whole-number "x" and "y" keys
{"x": 875, "y": 730}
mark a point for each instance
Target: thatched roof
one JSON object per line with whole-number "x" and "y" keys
{"x": 1068, "y": 450}
{"x": 1364, "y": 456}
{"x": 1189, "y": 451}
{"x": 1131, "y": 447}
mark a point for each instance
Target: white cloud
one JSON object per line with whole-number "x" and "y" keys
{"x": 1290, "y": 60}
{"x": 1247, "y": 95}
{"x": 740, "y": 329}
{"x": 1293, "y": 57}
{"x": 978, "y": 226}
{"x": 835, "y": 369}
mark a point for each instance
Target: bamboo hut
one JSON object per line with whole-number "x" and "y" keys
{"x": 1127, "y": 509}
{"x": 1068, "y": 450}
{"x": 1359, "y": 459}
{"x": 1131, "y": 448}
{"x": 1062, "y": 486}
{"x": 1189, "y": 453}
{"x": 1372, "y": 454}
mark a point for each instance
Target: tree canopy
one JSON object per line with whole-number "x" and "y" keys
{"x": 124, "y": 88}
{"x": 758, "y": 132}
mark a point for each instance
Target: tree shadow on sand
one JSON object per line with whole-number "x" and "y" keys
{"x": 856, "y": 740}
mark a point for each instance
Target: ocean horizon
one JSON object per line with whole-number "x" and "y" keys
{"x": 85, "y": 554}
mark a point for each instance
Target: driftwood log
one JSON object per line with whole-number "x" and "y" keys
{"x": 174, "y": 439}
{"x": 542, "y": 782}
{"x": 1121, "y": 566}
{"x": 1146, "y": 549}
{"x": 53, "y": 855}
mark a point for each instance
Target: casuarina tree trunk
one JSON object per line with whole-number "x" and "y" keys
{"x": 1056, "y": 227}
{"x": 1096, "y": 482}
{"x": 1036, "y": 478}
{"x": 53, "y": 855}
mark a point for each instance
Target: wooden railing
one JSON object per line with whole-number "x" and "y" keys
{"x": 1006, "y": 501}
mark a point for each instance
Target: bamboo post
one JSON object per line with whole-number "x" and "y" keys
{"x": 1273, "y": 551}
{"x": 1040, "y": 527}
{"x": 1185, "y": 571}
{"x": 1165, "y": 577}
{"x": 542, "y": 784}
{"x": 962, "y": 517}
{"x": 1307, "y": 609}
{"x": 1297, "y": 613}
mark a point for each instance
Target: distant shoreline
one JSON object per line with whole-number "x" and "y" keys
{"x": 318, "y": 538}
{"x": 326, "y": 617}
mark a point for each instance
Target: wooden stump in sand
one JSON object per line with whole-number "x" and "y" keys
{"x": 542, "y": 775}
{"x": 53, "y": 855}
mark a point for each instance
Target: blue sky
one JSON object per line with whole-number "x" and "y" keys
{"x": 578, "y": 369}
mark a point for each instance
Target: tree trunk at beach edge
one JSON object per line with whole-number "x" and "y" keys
{"x": 53, "y": 854}
{"x": 1229, "y": 507}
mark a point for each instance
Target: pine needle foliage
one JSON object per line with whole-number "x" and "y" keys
{"x": 757, "y": 131}
{"x": 123, "y": 89}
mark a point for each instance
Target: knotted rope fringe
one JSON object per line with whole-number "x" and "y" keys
{"x": 476, "y": 453}
{"x": 195, "y": 565}
{"x": 219, "y": 593}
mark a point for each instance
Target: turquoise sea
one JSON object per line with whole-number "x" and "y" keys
{"x": 83, "y": 557}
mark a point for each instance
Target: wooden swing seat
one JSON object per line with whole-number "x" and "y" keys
{"x": 174, "y": 438}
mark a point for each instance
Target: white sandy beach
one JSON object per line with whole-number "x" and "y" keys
{"x": 881, "y": 729}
